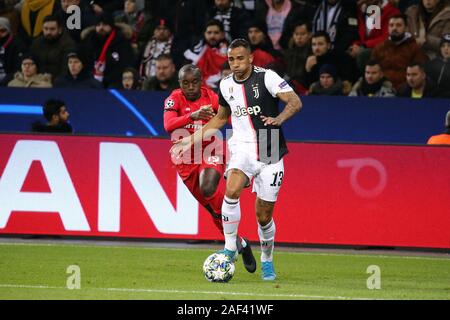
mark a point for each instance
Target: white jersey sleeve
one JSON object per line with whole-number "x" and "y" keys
{"x": 275, "y": 84}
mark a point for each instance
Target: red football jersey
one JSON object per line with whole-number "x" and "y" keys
{"x": 177, "y": 109}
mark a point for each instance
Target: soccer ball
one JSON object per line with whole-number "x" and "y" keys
{"x": 218, "y": 268}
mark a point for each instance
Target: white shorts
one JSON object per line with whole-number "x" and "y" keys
{"x": 267, "y": 177}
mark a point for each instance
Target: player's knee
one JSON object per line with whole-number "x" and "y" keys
{"x": 233, "y": 190}
{"x": 264, "y": 211}
{"x": 264, "y": 219}
{"x": 208, "y": 189}
{"x": 233, "y": 193}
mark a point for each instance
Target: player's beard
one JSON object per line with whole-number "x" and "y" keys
{"x": 241, "y": 75}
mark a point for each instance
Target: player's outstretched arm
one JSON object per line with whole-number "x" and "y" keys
{"x": 210, "y": 129}
{"x": 213, "y": 125}
{"x": 293, "y": 105}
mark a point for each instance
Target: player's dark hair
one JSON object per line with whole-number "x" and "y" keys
{"x": 400, "y": 16}
{"x": 215, "y": 22}
{"x": 52, "y": 107}
{"x": 240, "y": 43}
{"x": 188, "y": 68}
{"x": 320, "y": 34}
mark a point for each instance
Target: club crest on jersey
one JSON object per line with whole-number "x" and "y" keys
{"x": 213, "y": 160}
{"x": 256, "y": 91}
{"x": 169, "y": 104}
{"x": 243, "y": 112}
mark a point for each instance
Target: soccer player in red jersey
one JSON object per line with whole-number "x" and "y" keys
{"x": 189, "y": 108}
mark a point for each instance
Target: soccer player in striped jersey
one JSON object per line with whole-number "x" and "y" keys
{"x": 250, "y": 95}
{"x": 188, "y": 109}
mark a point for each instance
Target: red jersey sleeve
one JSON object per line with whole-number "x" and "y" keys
{"x": 172, "y": 118}
{"x": 214, "y": 101}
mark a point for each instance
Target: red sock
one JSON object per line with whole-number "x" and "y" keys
{"x": 215, "y": 203}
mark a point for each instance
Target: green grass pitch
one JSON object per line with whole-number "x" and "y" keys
{"x": 39, "y": 271}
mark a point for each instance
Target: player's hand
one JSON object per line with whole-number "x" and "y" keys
{"x": 181, "y": 146}
{"x": 204, "y": 113}
{"x": 269, "y": 121}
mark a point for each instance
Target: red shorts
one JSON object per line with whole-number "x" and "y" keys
{"x": 190, "y": 174}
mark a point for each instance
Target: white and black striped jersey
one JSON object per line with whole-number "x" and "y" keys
{"x": 247, "y": 101}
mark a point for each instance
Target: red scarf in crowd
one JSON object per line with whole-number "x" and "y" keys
{"x": 211, "y": 63}
{"x": 100, "y": 64}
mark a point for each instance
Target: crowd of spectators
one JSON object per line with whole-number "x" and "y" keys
{"x": 321, "y": 47}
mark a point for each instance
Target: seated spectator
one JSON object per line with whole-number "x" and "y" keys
{"x": 87, "y": 18}
{"x": 108, "y": 50}
{"x": 57, "y": 116}
{"x": 152, "y": 16}
{"x": 417, "y": 85}
{"x": 130, "y": 79}
{"x": 234, "y": 20}
{"x": 299, "y": 49}
{"x": 323, "y": 54}
{"x": 52, "y": 46}
{"x": 160, "y": 43}
{"x": 329, "y": 83}
{"x": 77, "y": 76}
{"x": 210, "y": 53}
{"x": 321, "y": 50}
{"x": 30, "y": 77}
{"x": 32, "y": 14}
{"x": 166, "y": 78}
{"x": 278, "y": 10}
{"x": 338, "y": 19}
{"x": 301, "y": 12}
{"x": 11, "y": 50}
{"x": 373, "y": 84}
{"x": 397, "y": 52}
{"x": 8, "y": 11}
{"x": 438, "y": 69}
{"x": 369, "y": 38}
{"x": 132, "y": 17}
{"x": 427, "y": 21}
{"x": 262, "y": 48}
{"x": 443, "y": 138}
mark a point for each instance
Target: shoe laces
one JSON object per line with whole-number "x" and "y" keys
{"x": 267, "y": 268}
